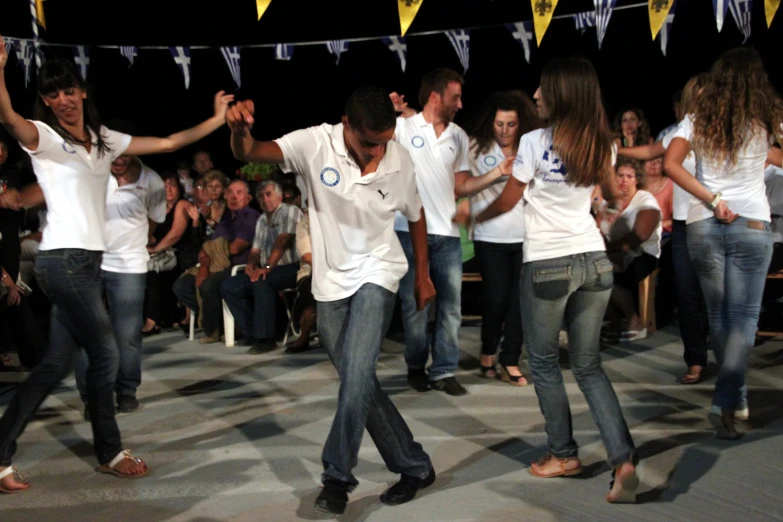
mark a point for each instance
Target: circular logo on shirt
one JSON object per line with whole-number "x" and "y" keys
{"x": 490, "y": 161}
{"x": 330, "y": 177}
{"x": 417, "y": 141}
{"x": 67, "y": 148}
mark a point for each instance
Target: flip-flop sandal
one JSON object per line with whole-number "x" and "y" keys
{"x": 692, "y": 377}
{"x": 563, "y": 472}
{"x": 124, "y": 454}
{"x": 10, "y": 470}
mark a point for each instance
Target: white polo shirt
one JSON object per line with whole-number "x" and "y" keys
{"x": 505, "y": 228}
{"x": 352, "y": 216}
{"x": 128, "y": 209}
{"x": 74, "y": 183}
{"x": 437, "y": 159}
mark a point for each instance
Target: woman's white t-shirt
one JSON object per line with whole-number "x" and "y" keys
{"x": 681, "y": 199}
{"x": 624, "y": 224}
{"x": 741, "y": 183}
{"x": 508, "y": 227}
{"x": 74, "y": 184}
{"x": 557, "y": 215}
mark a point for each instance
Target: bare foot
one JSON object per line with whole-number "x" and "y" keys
{"x": 625, "y": 483}
{"x": 149, "y": 325}
{"x": 12, "y": 482}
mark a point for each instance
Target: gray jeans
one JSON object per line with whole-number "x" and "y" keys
{"x": 352, "y": 330}
{"x": 575, "y": 288}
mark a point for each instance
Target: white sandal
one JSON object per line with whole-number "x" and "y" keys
{"x": 124, "y": 454}
{"x": 10, "y": 470}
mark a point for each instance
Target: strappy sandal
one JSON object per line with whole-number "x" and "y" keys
{"x": 562, "y": 472}
{"x": 10, "y": 470}
{"x": 514, "y": 380}
{"x": 489, "y": 372}
{"x": 124, "y": 454}
{"x": 693, "y": 376}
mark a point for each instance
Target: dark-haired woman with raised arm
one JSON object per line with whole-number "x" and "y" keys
{"x": 71, "y": 152}
{"x": 566, "y": 274}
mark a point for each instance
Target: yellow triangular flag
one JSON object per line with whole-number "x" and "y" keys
{"x": 39, "y": 13}
{"x": 542, "y": 15}
{"x": 770, "y": 8}
{"x": 659, "y": 10}
{"x": 261, "y": 6}
{"x": 408, "y": 10}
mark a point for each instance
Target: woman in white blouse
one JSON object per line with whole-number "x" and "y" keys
{"x": 733, "y": 124}
{"x": 566, "y": 274}
{"x": 71, "y": 154}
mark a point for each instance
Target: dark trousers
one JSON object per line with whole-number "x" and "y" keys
{"x": 690, "y": 302}
{"x": 185, "y": 290}
{"x": 160, "y": 303}
{"x": 501, "y": 266}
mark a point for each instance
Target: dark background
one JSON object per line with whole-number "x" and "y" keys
{"x": 312, "y": 88}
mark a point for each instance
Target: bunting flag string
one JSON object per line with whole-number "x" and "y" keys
{"x": 337, "y": 47}
{"x": 603, "y": 12}
{"x": 665, "y": 31}
{"x": 460, "y": 40}
{"x": 182, "y": 59}
{"x": 129, "y": 52}
{"x": 658, "y": 10}
{"x": 261, "y": 6}
{"x": 284, "y": 51}
{"x": 231, "y": 55}
{"x": 522, "y": 32}
{"x": 770, "y": 8}
{"x": 37, "y": 18}
{"x": 542, "y": 16}
{"x": 720, "y": 7}
{"x": 81, "y": 56}
{"x": 398, "y": 46}
{"x": 408, "y": 9}
{"x": 584, "y": 20}
{"x": 741, "y": 12}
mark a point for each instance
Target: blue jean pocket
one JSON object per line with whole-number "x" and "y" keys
{"x": 552, "y": 282}
{"x": 604, "y": 274}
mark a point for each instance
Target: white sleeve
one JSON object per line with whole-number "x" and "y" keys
{"x": 463, "y": 142}
{"x": 684, "y": 130}
{"x": 117, "y": 141}
{"x": 297, "y": 147}
{"x": 411, "y": 204}
{"x": 46, "y": 138}
{"x": 525, "y": 163}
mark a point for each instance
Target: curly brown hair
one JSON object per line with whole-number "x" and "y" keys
{"x": 482, "y": 127}
{"x": 737, "y": 98}
{"x": 642, "y": 135}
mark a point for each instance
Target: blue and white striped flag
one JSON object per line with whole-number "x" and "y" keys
{"x": 81, "y": 56}
{"x": 741, "y": 11}
{"x": 397, "y": 45}
{"x": 129, "y": 52}
{"x": 584, "y": 20}
{"x": 337, "y": 47}
{"x": 603, "y": 12}
{"x": 460, "y": 40}
{"x": 720, "y": 7}
{"x": 523, "y": 33}
{"x": 182, "y": 59}
{"x": 666, "y": 28}
{"x": 231, "y": 55}
{"x": 25, "y": 51}
{"x": 284, "y": 52}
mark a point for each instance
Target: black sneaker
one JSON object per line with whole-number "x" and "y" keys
{"x": 263, "y": 346}
{"x": 405, "y": 490}
{"x": 127, "y": 403}
{"x": 333, "y": 497}
{"x": 450, "y": 386}
{"x": 417, "y": 379}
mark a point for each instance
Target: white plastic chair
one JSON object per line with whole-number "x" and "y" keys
{"x": 228, "y": 319}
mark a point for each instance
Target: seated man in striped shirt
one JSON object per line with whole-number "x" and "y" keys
{"x": 271, "y": 267}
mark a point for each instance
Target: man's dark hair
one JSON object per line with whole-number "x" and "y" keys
{"x": 370, "y": 108}
{"x": 437, "y": 80}
{"x": 292, "y": 190}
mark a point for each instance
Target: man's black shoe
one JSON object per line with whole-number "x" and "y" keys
{"x": 127, "y": 403}
{"x": 262, "y": 346}
{"x": 417, "y": 379}
{"x": 405, "y": 490}
{"x": 333, "y": 497}
{"x": 450, "y": 386}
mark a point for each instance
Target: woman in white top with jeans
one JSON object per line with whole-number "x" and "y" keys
{"x": 71, "y": 154}
{"x": 729, "y": 236}
{"x": 566, "y": 274}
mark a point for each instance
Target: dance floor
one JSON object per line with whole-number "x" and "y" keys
{"x": 237, "y": 437}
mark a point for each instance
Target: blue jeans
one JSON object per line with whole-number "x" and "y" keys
{"x": 732, "y": 262}
{"x": 71, "y": 278}
{"x": 576, "y": 289}
{"x": 446, "y": 273}
{"x": 125, "y": 294}
{"x": 254, "y": 305}
{"x": 352, "y": 330}
{"x": 690, "y": 301}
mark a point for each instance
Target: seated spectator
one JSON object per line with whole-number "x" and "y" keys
{"x": 215, "y": 184}
{"x": 292, "y": 195}
{"x": 305, "y": 309}
{"x": 237, "y": 229}
{"x": 185, "y": 179}
{"x": 271, "y": 267}
{"x": 202, "y": 163}
{"x": 634, "y": 246}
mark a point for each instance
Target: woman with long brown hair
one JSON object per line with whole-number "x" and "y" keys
{"x": 734, "y": 120}
{"x": 631, "y": 128}
{"x": 566, "y": 274}
{"x": 495, "y": 135}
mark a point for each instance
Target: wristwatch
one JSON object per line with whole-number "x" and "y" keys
{"x": 715, "y": 201}
{"x": 268, "y": 267}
